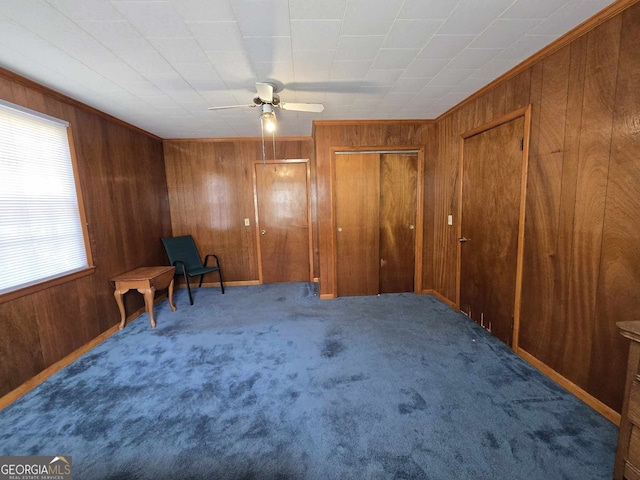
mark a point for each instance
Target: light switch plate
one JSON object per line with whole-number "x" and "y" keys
{"x": 449, "y": 219}
{"x": 246, "y": 222}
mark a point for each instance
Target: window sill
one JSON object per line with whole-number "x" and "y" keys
{"x": 21, "y": 292}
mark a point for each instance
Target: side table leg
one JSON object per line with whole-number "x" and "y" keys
{"x": 148, "y": 302}
{"x": 123, "y": 316}
{"x": 173, "y": 307}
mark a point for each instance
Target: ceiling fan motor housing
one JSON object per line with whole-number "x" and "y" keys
{"x": 258, "y": 101}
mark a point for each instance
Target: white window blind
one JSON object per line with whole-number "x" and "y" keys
{"x": 41, "y": 235}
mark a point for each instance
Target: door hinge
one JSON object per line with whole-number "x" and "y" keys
{"x": 522, "y": 144}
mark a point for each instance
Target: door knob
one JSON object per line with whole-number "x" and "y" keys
{"x": 462, "y": 239}
{"x": 411, "y": 227}
{"x": 339, "y": 229}
{"x": 263, "y": 232}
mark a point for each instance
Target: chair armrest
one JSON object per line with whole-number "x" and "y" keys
{"x": 206, "y": 259}
{"x": 180, "y": 262}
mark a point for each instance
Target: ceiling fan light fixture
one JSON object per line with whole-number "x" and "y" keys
{"x": 268, "y": 118}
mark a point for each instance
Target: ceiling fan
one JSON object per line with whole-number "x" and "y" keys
{"x": 267, "y": 99}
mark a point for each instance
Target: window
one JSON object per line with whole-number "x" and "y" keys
{"x": 42, "y": 227}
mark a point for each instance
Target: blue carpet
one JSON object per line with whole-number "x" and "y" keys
{"x": 269, "y": 382}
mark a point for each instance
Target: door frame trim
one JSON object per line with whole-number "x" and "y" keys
{"x": 521, "y": 112}
{"x": 419, "y": 241}
{"x": 256, "y": 212}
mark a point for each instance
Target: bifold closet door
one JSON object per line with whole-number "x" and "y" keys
{"x": 357, "y": 214}
{"x": 398, "y": 190}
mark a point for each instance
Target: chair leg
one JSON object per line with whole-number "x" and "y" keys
{"x": 201, "y": 278}
{"x": 186, "y": 279}
{"x": 221, "y": 284}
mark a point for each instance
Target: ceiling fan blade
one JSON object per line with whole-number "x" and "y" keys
{"x": 232, "y": 106}
{"x": 265, "y": 91}
{"x": 302, "y": 107}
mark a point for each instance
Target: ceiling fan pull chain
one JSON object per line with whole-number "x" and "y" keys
{"x": 273, "y": 138}
{"x": 264, "y": 159}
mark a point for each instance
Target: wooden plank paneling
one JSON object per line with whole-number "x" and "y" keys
{"x": 332, "y": 135}
{"x": 210, "y": 186}
{"x": 619, "y": 275}
{"x": 549, "y": 97}
{"x": 591, "y": 186}
{"x": 124, "y": 189}
{"x": 580, "y": 257}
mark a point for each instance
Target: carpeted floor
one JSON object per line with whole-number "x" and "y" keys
{"x": 269, "y": 382}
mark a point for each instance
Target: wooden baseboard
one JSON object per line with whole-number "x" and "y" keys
{"x": 442, "y": 298}
{"x": 32, "y": 383}
{"x": 327, "y": 296}
{"x": 587, "y": 398}
{"x": 242, "y": 283}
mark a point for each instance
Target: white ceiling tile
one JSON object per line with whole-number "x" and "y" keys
{"x": 451, "y": 98}
{"x": 324, "y": 10}
{"x": 408, "y": 85}
{"x": 449, "y": 77}
{"x": 234, "y": 68}
{"x": 333, "y": 98}
{"x": 473, "y": 16}
{"x": 526, "y": 46}
{"x": 528, "y": 9}
{"x": 175, "y": 50}
{"x": 217, "y": 36}
{"x": 425, "y": 68}
{"x": 502, "y": 33}
{"x": 118, "y": 36}
{"x": 411, "y": 33}
{"x": 363, "y": 18}
{"x": 198, "y": 72}
{"x": 469, "y": 86}
{"x": 84, "y": 11}
{"x": 147, "y": 62}
{"x": 427, "y": 9}
{"x": 430, "y": 93}
{"x": 118, "y": 72}
{"x": 162, "y": 102}
{"x": 203, "y": 10}
{"x": 494, "y": 68}
{"x": 315, "y": 34}
{"x": 474, "y": 57}
{"x": 96, "y": 51}
{"x": 314, "y": 65}
{"x": 446, "y": 46}
{"x": 350, "y": 70}
{"x": 395, "y": 57}
{"x": 263, "y": 18}
{"x": 383, "y": 76}
{"x": 280, "y": 72}
{"x": 396, "y": 99}
{"x": 568, "y": 16}
{"x": 153, "y": 19}
{"x": 269, "y": 49}
{"x": 358, "y": 47}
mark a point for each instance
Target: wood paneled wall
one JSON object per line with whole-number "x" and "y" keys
{"x": 210, "y": 185}
{"x": 329, "y": 135}
{"x": 582, "y": 254}
{"x": 125, "y": 196}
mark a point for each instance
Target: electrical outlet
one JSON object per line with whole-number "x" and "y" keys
{"x": 246, "y": 222}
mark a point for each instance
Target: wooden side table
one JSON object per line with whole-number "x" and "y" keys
{"x": 146, "y": 280}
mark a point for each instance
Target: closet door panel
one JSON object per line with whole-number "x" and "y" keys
{"x": 398, "y": 186}
{"x": 357, "y": 207}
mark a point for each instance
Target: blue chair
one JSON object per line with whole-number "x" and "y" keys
{"x": 183, "y": 255}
